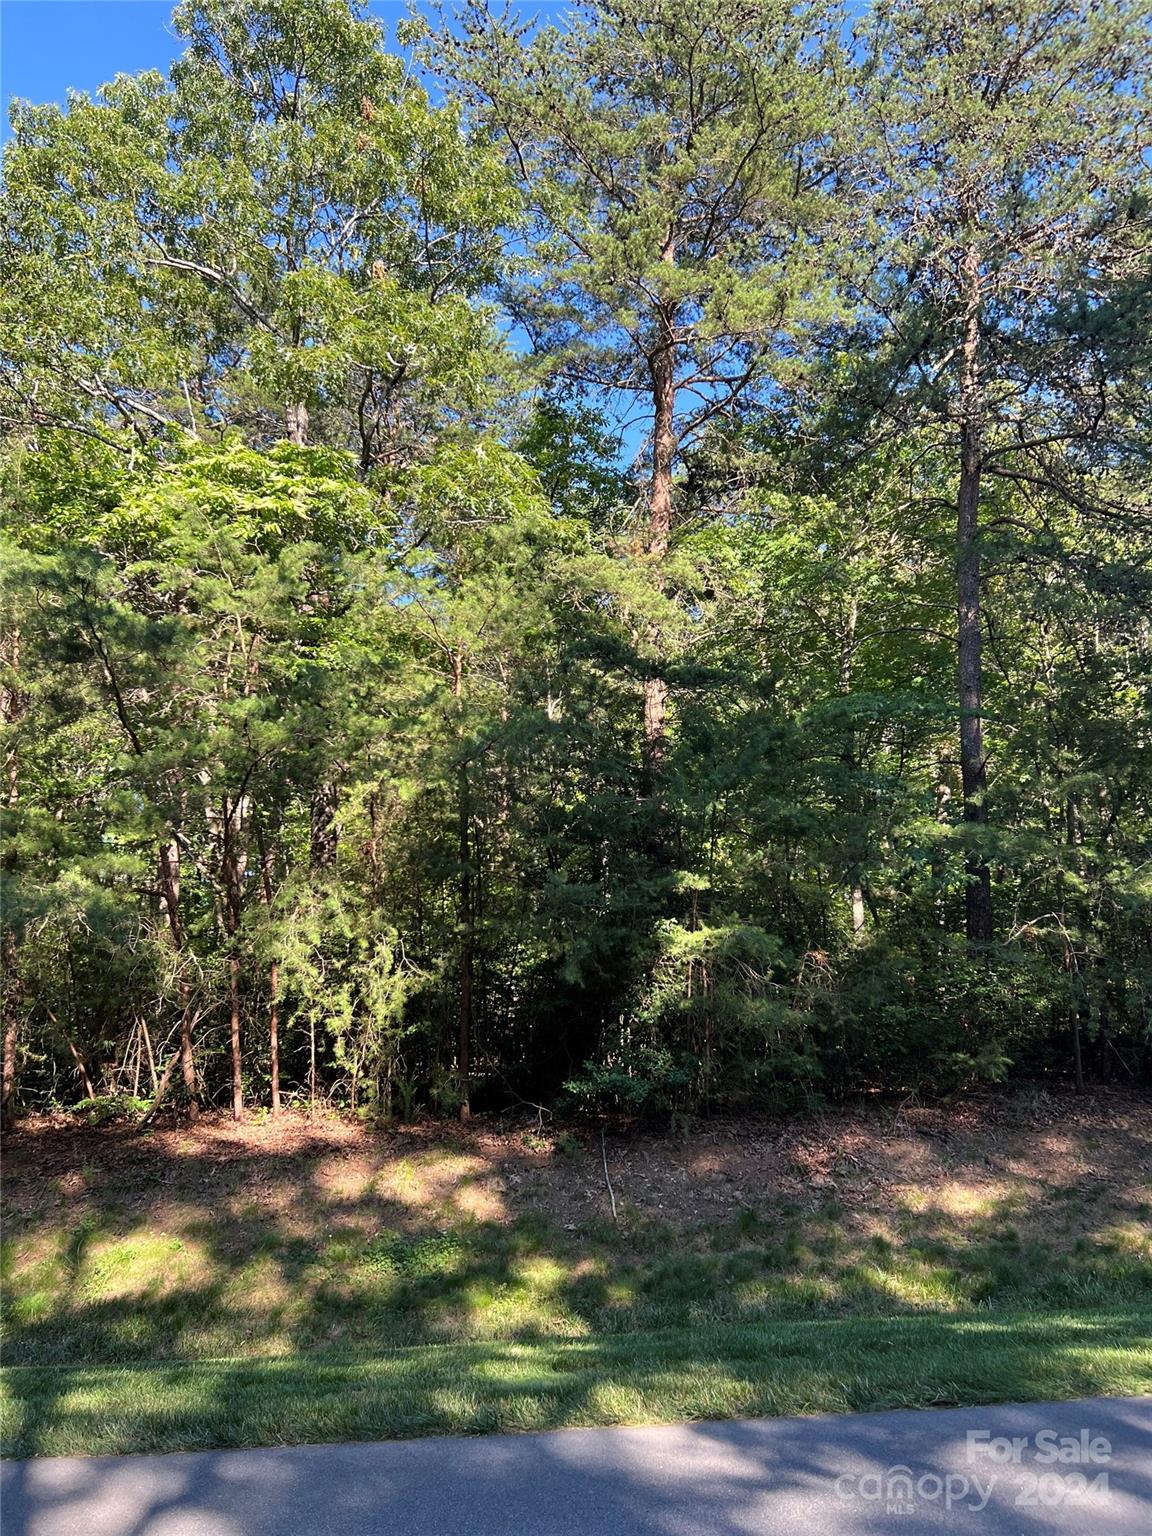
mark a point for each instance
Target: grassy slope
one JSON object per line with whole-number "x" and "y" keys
{"x": 217, "y": 1288}
{"x": 797, "y": 1367}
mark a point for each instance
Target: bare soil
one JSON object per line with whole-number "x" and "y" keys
{"x": 1021, "y": 1153}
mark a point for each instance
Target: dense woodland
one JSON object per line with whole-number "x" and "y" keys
{"x": 599, "y": 562}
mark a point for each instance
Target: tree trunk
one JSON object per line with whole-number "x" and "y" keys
{"x": 11, "y": 1031}
{"x": 466, "y": 947}
{"x": 296, "y": 422}
{"x": 273, "y": 978}
{"x": 311, "y": 1061}
{"x": 296, "y": 412}
{"x": 973, "y": 767}
{"x": 12, "y": 704}
{"x": 659, "y": 530}
{"x": 662, "y": 368}
{"x": 187, "y": 1059}
{"x": 233, "y": 873}
{"x": 82, "y": 1069}
{"x": 1080, "y": 1001}
{"x": 1077, "y": 1047}
{"x": 8, "y": 1093}
{"x": 169, "y": 865}
{"x": 464, "y": 909}
{"x": 234, "y": 1032}
{"x": 324, "y": 834}
{"x": 81, "y": 1065}
{"x": 146, "y": 1039}
{"x": 274, "y": 1034}
{"x": 848, "y": 758}
{"x": 943, "y": 799}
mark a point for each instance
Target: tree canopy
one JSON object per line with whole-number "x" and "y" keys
{"x": 603, "y": 563}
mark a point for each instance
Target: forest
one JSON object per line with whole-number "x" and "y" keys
{"x": 596, "y": 561}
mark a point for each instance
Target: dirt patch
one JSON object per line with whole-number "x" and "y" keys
{"x": 1091, "y": 1155}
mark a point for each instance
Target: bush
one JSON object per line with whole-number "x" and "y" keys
{"x": 112, "y": 1106}
{"x": 637, "y": 1079}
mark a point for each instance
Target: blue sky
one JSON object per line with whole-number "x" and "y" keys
{"x": 48, "y": 45}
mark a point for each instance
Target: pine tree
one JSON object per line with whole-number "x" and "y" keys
{"x": 677, "y": 163}
{"x": 1006, "y": 160}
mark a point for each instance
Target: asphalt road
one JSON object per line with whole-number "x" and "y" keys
{"x": 1072, "y": 1469}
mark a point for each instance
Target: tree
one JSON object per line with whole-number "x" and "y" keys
{"x": 1007, "y": 158}
{"x": 677, "y": 165}
{"x": 282, "y": 237}
{"x": 327, "y": 615}
{"x": 199, "y": 604}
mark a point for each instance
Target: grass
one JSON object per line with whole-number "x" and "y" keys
{"x": 181, "y": 1289}
{"x": 228, "y": 1285}
{"x": 842, "y": 1365}
{"x": 232, "y": 1283}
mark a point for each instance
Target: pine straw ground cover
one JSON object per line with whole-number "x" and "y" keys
{"x": 321, "y": 1278}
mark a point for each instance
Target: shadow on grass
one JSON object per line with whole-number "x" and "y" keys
{"x": 372, "y": 1277}
{"x": 724, "y": 1479}
{"x": 172, "y": 1250}
{"x": 840, "y": 1365}
{"x": 297, "y": 1279}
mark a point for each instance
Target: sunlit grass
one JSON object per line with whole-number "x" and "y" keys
{"x": 108, "y": 1294}
{"x": 790, "y": 1367}
{"x": 191, "y": 1318}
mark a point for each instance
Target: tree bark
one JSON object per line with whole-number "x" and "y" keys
{"x": 81, "y": 1065}
{"x": 187, "y": 1058}
{"x": 296, "y": 423}
{"x": 464, "y": 909}
{"x": 82, "y": 1069}
{"x": 169, "y": 863}
{"x": 1077, "y": 1047}
{"x": 11, "y": 1031}
{"x": 311, "y": 1061}
{"x": 848, "y": 758}
{"x": 274, "y": 1033}
{"x": 969, "y": 638}
{"x": 273, "y": 979}
{"x": 146, "y": 1038}
{"x": 233, "y": 872}
{"x": 324, "y": 834}
{"x": 296, "y": 412}
{"x": 234, "y": 1033}
{"x": 12, "y": 705}
{"x": 464, "y": 1052}
{"x": 662, "y": 373}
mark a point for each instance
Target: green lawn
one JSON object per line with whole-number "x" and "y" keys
{"x": 212, "y": 1283}
{"x": 199, "y": 1288}
{"x": 842, "y": 1365}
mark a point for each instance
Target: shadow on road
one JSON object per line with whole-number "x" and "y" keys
{"x": 755, "y": 1478}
